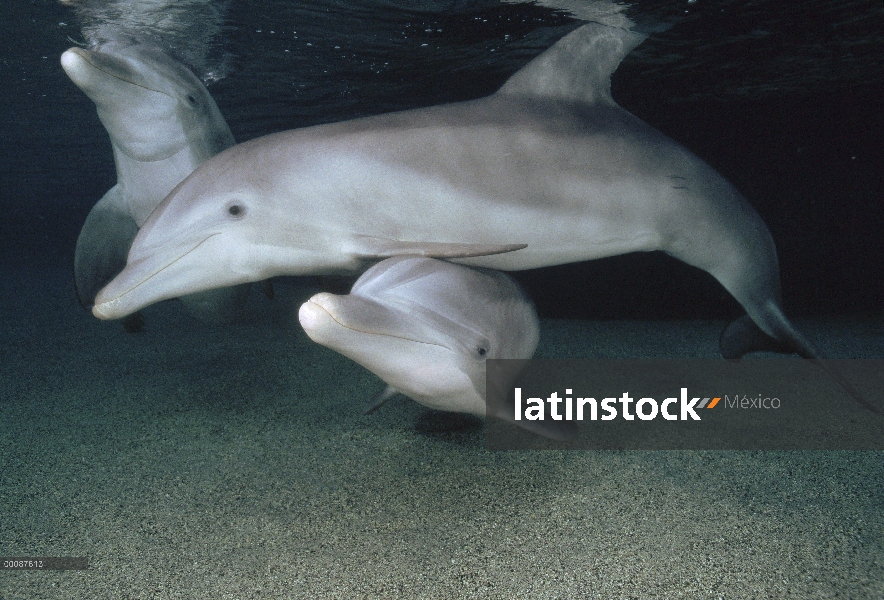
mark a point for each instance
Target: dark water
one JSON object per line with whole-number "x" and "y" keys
{"x": 783, "y": 98}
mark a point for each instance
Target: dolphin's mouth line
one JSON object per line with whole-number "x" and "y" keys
{"x": 398, "y": 337}
{"x": 115, "y": 76}
{"x": 146, "y": 279}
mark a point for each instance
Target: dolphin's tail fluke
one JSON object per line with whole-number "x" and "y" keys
{"x": 744, "y": 336}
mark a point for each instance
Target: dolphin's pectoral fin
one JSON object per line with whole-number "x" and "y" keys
{"x": 103, "y": 245}
{"x": 743, "y": 336}
{"x": 379, "y": 248}
{"x": 381, "y": 399}
{"x": 267, "y": 288}
{"x": 219, "y": 305}
{"x": 559, "y": 431}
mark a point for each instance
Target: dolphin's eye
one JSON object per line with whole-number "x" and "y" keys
{"x": 482, "y": 351}
{"x": 192, "y": 100}
{"x": 236, "y": 210}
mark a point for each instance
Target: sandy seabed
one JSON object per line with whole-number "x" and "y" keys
{"x": 200, "y": 461}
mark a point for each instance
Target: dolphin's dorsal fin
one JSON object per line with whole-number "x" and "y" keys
{"x": 577, "y": 68}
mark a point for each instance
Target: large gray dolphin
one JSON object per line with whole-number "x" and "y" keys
{"x": 162, "y": 124}
{"x": 426, "y": 327}
{"x": 549, "y": 161}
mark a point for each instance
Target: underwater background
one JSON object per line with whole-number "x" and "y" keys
{"x": 783, "y": 101}
{"x": 197, "y": 460}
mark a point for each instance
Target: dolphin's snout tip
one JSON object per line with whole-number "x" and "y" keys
{"x": 75, "y": 63}
{"x": 102, "y": 311}
{"x": 68, "y": 60}
{"x": 316, "y": 315}
{"x": 309, "y": 315}
{"x": 71, "y": 58}
{"x": 107, "y": 310}
{"x": 316, "y": 310}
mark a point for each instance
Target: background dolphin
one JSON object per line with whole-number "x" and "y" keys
{"x": 162, "y": 124}
{"x": 426, "y": 327}
{"x": 549, "y": 161}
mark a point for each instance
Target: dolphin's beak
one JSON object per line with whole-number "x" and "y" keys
{"x": 74, "y": 61}
{"x": 133, "y": 288}
{"x": 316, "y": 320}
{"x": 92, "y": 69}
{"x": 158, "y": 276}
{"x": 95, "y": 73}
{"x": 355, "y": 329}
{"x": 326, "y": 317}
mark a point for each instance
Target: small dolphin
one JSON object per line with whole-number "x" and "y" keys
{"x": 162, "y": 124}
{"x": 547, "y": 170}
{"x": 426, "y": 327}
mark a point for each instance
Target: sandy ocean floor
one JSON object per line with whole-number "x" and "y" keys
{"x": 199, "y": 461}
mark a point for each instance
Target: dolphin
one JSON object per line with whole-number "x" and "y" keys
{"x": 162, "y": 124}
{"x": 547, "y": 170}
{"x": 426, "y": 327}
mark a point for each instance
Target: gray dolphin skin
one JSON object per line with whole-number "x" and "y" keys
{"x": 426, "y": 327}
{"x": 549, "y": 162}
{"x": 162, "y": 124}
